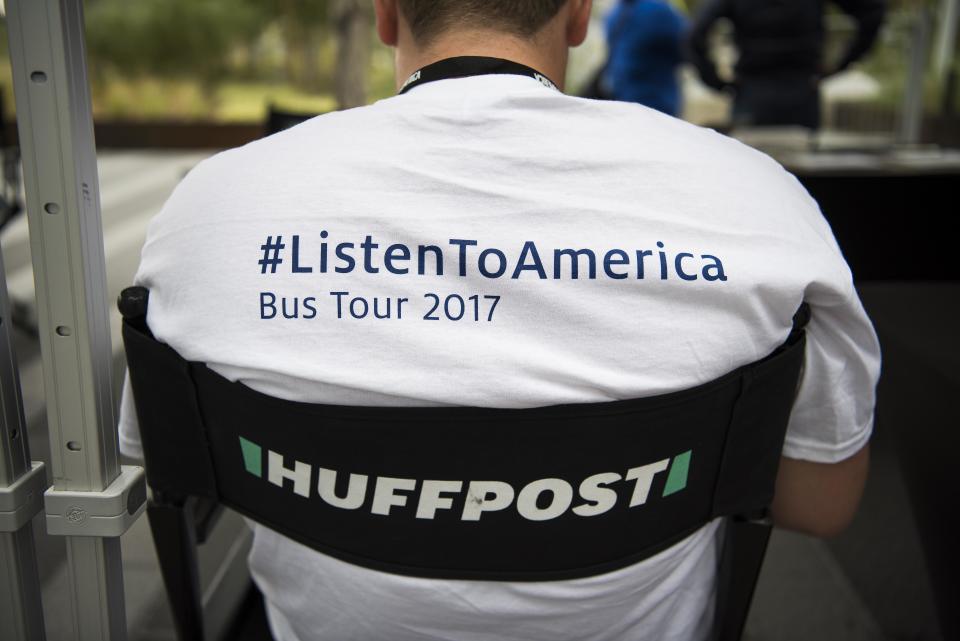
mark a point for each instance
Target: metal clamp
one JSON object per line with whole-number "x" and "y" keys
{"x": 23, "y": 500}
{"x": 107, "y": 513}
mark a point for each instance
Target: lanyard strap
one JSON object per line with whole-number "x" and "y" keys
{"x": 465, "y": 66}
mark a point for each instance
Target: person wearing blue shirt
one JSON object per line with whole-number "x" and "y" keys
{"x": 645, "y": 38}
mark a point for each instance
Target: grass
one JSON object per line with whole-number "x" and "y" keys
{"x": 230, "y": 101}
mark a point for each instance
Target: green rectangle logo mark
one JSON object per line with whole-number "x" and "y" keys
{"x": 253, "y": 457}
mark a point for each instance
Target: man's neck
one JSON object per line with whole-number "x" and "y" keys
{"x": 538, "y": 54}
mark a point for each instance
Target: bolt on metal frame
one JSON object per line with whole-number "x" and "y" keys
{"x": 93, "y": 500}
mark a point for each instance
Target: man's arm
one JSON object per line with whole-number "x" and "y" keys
{"x": 697, "y": 46}
{"x": 869, "y": 17}
{"x": 819, "y": 498}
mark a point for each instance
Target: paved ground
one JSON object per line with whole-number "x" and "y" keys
{"x": 869, "y": 584}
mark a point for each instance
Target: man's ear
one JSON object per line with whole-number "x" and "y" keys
{"x": 578, "y": 22}
{"x": 387, "y": 21}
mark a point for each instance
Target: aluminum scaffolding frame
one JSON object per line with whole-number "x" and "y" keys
{"x": 93, "y": 499}
{"x": 21, "y": 498}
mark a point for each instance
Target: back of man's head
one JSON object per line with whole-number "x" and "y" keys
{"x": 524, "y": 18}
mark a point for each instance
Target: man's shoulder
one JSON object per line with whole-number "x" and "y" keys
{"x": 322, "y": 131}
{"x": 315, "y": 141}
{"x": 628, "y": 135}
{"x": 641, "y": 127}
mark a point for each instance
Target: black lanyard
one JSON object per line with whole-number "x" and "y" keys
{"x": 465, "y": 66}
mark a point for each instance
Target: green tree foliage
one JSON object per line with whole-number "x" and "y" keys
{"x": 305, "y": 25}
{"x": 170, "y": 38}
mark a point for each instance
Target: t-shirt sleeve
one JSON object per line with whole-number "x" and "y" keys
{"x": 129, "y": 428}
{"x": 190, "y": 195}
{"x": 833, "y": 413}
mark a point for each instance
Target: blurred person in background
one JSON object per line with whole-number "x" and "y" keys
{"x": 781, "y": 61}
{"x": 645, "y": 39}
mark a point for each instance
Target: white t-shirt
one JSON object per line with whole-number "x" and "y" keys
{"x": 700, "y": 251}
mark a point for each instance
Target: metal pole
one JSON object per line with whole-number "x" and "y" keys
{"x": 945, "y": 62}
{"x": 946, "y": 36}
{"x": 912, "y": 116}
{"x": 21, "y": 491}
{"x": 93, "y": 501}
